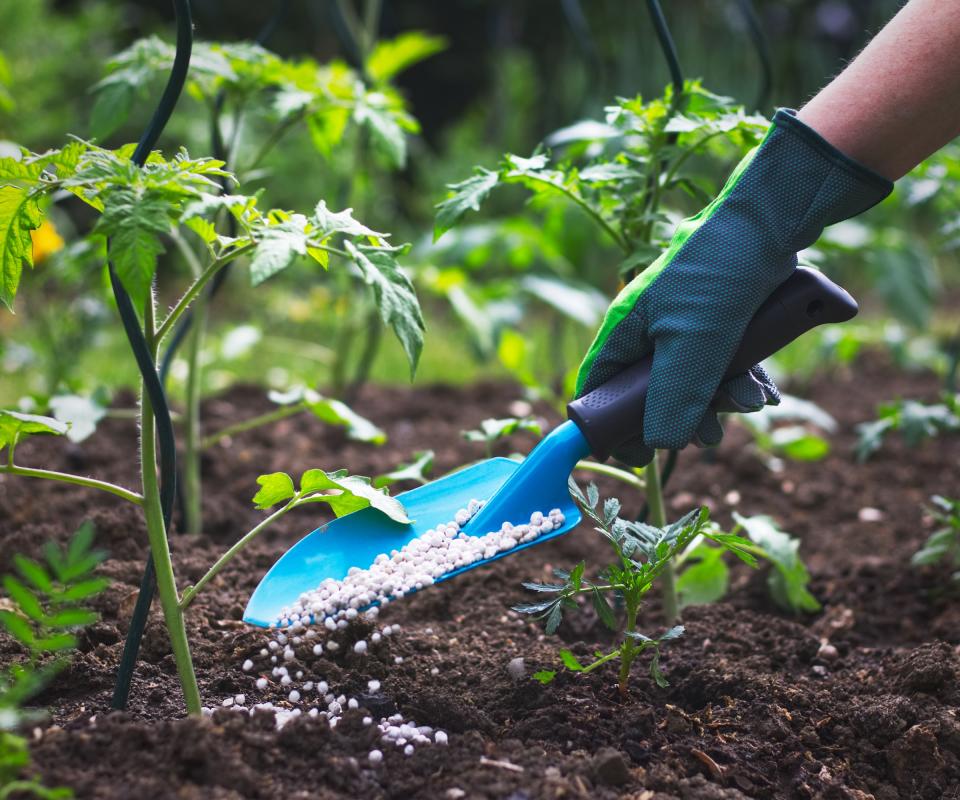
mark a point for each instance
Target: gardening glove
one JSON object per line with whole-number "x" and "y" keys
{"x": 691, "y": 306}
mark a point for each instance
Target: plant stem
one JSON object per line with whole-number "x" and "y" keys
{"x": 613, "y": 472}
{"x": 77, "y": 480}
{"x": 254, "y": 422}
{"x": 157, "y": 534}
{"x": 658, "y": 519}
{"x": 192, "y": 591}
{"x": 371, "y": 344}
{"x": 196, "y": 287}
{"x": 192, "y": 488}
{"x": 628, "y": 650}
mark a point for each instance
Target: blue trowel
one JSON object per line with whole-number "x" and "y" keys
{"x": 512, "y": 490}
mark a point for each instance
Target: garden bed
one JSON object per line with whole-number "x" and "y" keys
{"x": 756, "y": 706}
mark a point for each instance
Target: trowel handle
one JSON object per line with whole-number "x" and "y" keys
{"x": 613, "y": 412}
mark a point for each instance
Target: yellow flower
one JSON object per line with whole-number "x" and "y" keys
{"x": 46, "y": 241}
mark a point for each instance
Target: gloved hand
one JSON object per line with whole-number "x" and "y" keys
{"x": 691, "y": 306}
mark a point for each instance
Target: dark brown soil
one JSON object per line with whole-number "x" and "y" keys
{"x": 755, "y": 708}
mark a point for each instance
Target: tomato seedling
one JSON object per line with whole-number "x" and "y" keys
{"x": 641, "y": 555}
{"x": 943, "y": 545}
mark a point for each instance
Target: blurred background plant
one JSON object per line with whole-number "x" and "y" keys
{"x": 514, "y": 291}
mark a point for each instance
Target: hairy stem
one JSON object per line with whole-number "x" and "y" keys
{"x": 77, "y": 480}
{"x": 192, "y": 487}
{"x": 157, "y": 534}
{"x": 192, "y": 591}
{"x": 658, "y": 518}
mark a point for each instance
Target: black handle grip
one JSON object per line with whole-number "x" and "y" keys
{"x": 613, "y": 412}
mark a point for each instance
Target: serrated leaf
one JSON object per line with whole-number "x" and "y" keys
{"x": 392, "y": 56}
{"x": 491, "y": 430}
{"x": 335, "y": 412}
{"x": 277, "y": 487}
{"x": 533, "y": 608}
{"x": 278, "y": 247}
{"x": 415, "y": 470}
{"x": 576, "y": 575}
{"x": 394, "y": 294}
{"x": 655, "y": 671}
{"x": 464, "y": 196}
{"x": 385, "y": 131}
{"x": 603, "y": 609}
{"x": 329, "y": 222}
{"x": 553, "y": 619}
{"x": 348, "y": 493}
{"x": 85, "y": 589}
{"x": 19, "y": 215}
{"x": 56, "y": 643}
{"x": 674, "y": 633}
{"x": 547, "y": 587}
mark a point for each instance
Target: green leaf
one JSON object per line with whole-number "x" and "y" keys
{"x": 545, "y": 676}
{"x": 655, "y": 672}
{"x": 19, "y": 214}
{"x": 25, "y": 599}
{"x": 71, "y": 618}
{"x": 335, "y": 412}
{"x": 545, "y": 587}
{"x": 788, "y": 582}
{"x": 706, "y": 580}
{"x": 80, "y": 543}
{"x": 85, "y": 589}
{"x": 576, "y": 576}
{"x": 373, "y": 113}
{"x": 348, "y": 493}
{"x": 14, "y": 426}
{"x": 570, "y": 661}
{"x": 111, "y": 109}
{"x": 870, "y": 437}
{"x": 533, "y": 608}
{"x": 463, "y": 197}
{"x": 134, "y": 223}
{"x": 33, "y": 572}
{"x": 279, "y": 246}
{"x": 553, "y": 619}
{"x": 276, "y": 487}
{"x": 329, "y": 222}
{"x": 603, "y": 609}
{"x": 17, "y": 627}
{"x": 797, "y": 443}
{"x": 491, "y": 430}
{"x": 394, "y": 294}
{"x": 674, "y": 633}
{"x": 56, "y": 643}
{"x": 415, "y": 470}
{"x": 392, "y": 56}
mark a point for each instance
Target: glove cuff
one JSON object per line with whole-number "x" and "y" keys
{"x": 819, "y": 185}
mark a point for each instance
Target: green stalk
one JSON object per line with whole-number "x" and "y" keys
{"x": 254, "y": 422}
{"x": 76, "y": 480}
{"x": 613, "y": 472}
{"x": 191, "y": 592}
{"x": 157, "y": 534}
{"x": 628, "y": 650}
{"x": 658, "y": 519}
{"x": 371, "y": 345}
{"x": 192, "y": 488}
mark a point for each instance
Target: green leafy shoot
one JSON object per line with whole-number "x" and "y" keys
{"x": 943, "y": 545}
{"x": 796, "y": 429}
{"x": 914, "y": 420}
{"x": 492, "y": 430}
{"x": 415, "y": 471}
{"x": 789, "y": 579}
{"x": 16, "y": 426}
{"x": 331, "y": 411}
{"x": 645, "y": 154}
{"x": 344, "y": 493}
{"x": 641, "y": 554}
{"x": 47, "y": 603}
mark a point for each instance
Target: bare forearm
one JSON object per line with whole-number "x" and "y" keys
{"x": 899, "y": 100}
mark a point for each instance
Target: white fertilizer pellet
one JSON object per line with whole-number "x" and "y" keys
{"x": 335, "y": 605}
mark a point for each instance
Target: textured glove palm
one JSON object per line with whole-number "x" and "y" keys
{"x": 691, "y": 306}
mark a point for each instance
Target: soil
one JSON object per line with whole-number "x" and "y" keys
{"x": 757, "y": 706}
